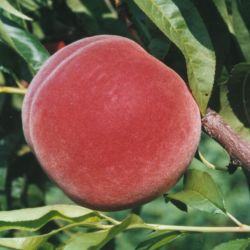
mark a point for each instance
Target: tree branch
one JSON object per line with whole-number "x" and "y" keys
{"x": 238, "y": 149}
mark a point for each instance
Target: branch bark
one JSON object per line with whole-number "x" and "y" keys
{"x": 238, "y": 149}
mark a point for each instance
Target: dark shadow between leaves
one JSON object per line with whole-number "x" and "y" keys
{"x": 197, "y": 29}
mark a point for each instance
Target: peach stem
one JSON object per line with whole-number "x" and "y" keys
{"x": 238, "y": 149}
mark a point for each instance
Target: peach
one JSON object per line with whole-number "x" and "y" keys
{"x": 109, "y": 123}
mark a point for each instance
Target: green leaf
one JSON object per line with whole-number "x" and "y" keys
{"x": 200, "y": 192}
{"x": 235, "y": 100}
{"x": 31, "y": 219}
{"x": 181, "y": 23}
{"x": 25, "y": 44}
{"x": 159, "y": 47}
{"x": 27, "y": 243}
{"x": 241, "y": 244}
{"x": 219, "y": 34}
{"x": 96, "y": 240}
{"x": 86, "y": 15}
{"x": 5, "y": 5}
{"x": 241, "y": 31}
{"x": 222, "y": 9}
{"x": 87, "y": 240}
{"x": 78, "y": 7}
{"x": 30, "y": 5}
{"x": 4, "y": 36}
{"x": 158, "y": 239}
{"x": 31, "y": 242}
{"x": 46, "y": 246}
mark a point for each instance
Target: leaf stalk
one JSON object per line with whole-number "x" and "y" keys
{"x": 12, "y": 90}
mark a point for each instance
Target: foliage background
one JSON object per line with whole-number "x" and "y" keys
{"x": 35, "y": 24}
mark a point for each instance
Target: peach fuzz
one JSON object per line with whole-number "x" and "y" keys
{"x": 110, "y": 124}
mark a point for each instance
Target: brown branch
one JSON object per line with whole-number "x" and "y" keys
{"x": 238, "y": 149}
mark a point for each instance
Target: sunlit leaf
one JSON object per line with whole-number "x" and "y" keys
{"x": 222, "y": 9}
{"x": 30, "y": 5}
{"x": 32, "y": 219}
{"x": 5, "y": 5}
{"x": 78, "y": 6}
{"x": 27, "y": 243}
{"x": 181, "y": 23}
{"x": 200, "y": 192}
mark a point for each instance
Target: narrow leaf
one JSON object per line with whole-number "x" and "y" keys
{"x": 30, "y": 5}
{"x": 25, "y": 44}
{"x": 78, "y": 7}
{"x": 235, "y": 100}
{"x": 5, "y": 5}
{"x": 180, "y": 21}
{"x": 87, "y": 240}
{"x": 222, "y": 9}
{"x": 32, "y": 242}
{"x": 241, "y": 31}
{"x": 32, "y": 219}
{"x": 27, "y": 243}
{"x": 158, "y": 239}
{"x": 200, "y": 192}
{"x": 241, "y": 244}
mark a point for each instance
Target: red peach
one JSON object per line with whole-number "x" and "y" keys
{"x": 110, "y": 124}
